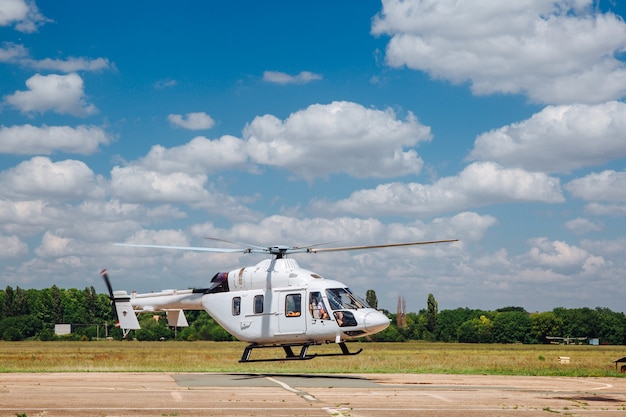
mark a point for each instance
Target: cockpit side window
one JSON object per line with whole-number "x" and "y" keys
{"x": 345, "y": 318}
{"x": 317, "y": 307}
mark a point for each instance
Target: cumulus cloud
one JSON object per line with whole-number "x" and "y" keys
{"x": 338, "y": 137}
{"x": 39, "y": 177}
{"x": 71, "y": 64}
{"x": 12, "y": 247}
{"x": 479, "y": 184}
{"x": 606, "y": 209}
{"x": 137, "y": 184}
{"x": 562, "y": 257}
{"x": 607, "y": 185}
{"x": 25, "y": 218}
{"x": 303, "y": 77}
{"x": 23, "y": 14}
{"x": 28, "y": 139}
{"x": 11, "y": 53}
{"x": 192, "y": 121}
{"x": 18, "y": 54}
{"x": 581, "y": 226}
{"x": 62, "y": 94}
{"x": 341, "y": 137}
{"x": 200, "y": 155}
{"x": 554, "y": 51}
{"x": 558, "y": 139}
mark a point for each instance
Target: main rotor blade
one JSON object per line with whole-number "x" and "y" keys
{"x": 232, "y": 242}
{"x": 390, "y": 245}
{"x": 195, "y": 248}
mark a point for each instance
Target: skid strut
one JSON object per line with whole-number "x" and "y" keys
{"x": 290, "y": 355}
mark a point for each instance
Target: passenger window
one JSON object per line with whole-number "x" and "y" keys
{"x": 236, "y": 306}
{"x": 293, "y": 305}
{"x": 258, "y": 304}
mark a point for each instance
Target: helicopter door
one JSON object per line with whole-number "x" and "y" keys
{"x": 291, "y": 314}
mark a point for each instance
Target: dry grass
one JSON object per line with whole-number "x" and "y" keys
{"x": 116, "y": 356}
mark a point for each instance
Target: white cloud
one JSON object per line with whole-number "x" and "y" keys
{"x": 39, "y": 177}
{"x": 603, "y": 186}
{"x": 11, "y": 52}
{"x": 606, "y": 209}
{"x": 339, "y": 137}
{"x": 136, "y": 184}
{"x": 315, "y": 142}
{"x": 562, "y": 257}
{"x": 163, "y": 84}
{"x": 12, "y": 247}
{"x": 23, "y": 13}
{"x": 554, "y": 51}
{"x": 199, "y": 156}
{"x": 581, "y": 226}
{"x": 282, "y": 78}
{"x": 558, "y": 139}
{"x": 25, "y": 218}
{"x": 45, "y": 140}
{"x": 71, "y": 64}
{"x": 53, "y": 246}
{"x": 479, "y": 184}
{"x": 192, "y": 121}
{"x": 62, "y": 94}
{"x": 18, "y": 54}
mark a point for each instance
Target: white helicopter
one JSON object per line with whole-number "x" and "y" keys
{"x": 273, "y": 304}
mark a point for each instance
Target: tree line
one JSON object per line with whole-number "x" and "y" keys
{"x": 32, "y": 314}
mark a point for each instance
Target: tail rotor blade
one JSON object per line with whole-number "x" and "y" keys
{"x": 107, "y": 282}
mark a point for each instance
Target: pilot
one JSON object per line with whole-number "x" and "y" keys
{"x": 339, "y": 318}
{"x": 322, "y": 310}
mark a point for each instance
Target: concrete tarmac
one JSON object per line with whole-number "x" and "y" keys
{"x": 354, "y": 395}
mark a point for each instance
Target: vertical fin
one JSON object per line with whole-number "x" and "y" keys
{"x": 122, "y": 308}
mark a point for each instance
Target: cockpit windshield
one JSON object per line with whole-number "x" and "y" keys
{"x": 343, "y": 298}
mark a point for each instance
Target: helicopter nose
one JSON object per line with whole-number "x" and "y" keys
{"x": 376, "y": 322}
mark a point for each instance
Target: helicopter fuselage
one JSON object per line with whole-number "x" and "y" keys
{"x": 274, "y": 302}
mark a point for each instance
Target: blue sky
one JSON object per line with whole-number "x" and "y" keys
{"x": 355, "y": 122}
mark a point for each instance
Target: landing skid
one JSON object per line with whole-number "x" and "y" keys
{"x": 291, "y": 356}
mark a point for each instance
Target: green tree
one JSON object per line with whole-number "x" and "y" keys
{"x": 545, "y": 324}
{"x": 512, "y": 327}
{"x": 74, "y": 310}
{"x": 153, "y": 327}
{"x": 611, "y": 326}
{"x": 7, "y": 308}
{"x": 431, "y": 314}
{"x": 477, "y": 330}
{"x": 578, "y": 322}
{"x": 20, "y": 302}
{"x": 390, "y": 334}
{"x": 449, "y": 321}
{"x": 371, "y": 299}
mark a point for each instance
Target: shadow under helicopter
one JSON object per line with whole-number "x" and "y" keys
{"x": 270, "y": 380}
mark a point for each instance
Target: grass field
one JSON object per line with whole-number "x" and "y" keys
{"x": 125, "y": 356}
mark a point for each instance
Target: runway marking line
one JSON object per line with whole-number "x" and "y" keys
{"x": 289, "y": 388}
